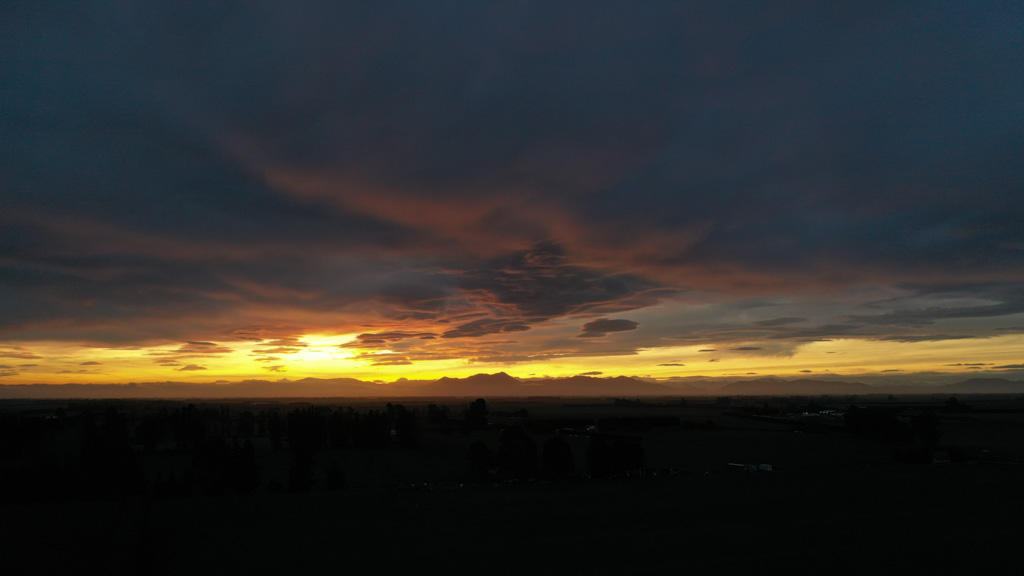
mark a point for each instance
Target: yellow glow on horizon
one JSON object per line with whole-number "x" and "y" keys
{"x": 322, "y": 356}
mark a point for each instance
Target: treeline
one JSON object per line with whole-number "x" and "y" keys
{"x": 518, "y": 458}
{"x": 94, "y": 451}
{"x": 313, "y": 427}
{"x": 915, "y": 438}
{"x": 89, "y": 455}
{"x": 611, "y": 423}
{"x": 61, "y": 458}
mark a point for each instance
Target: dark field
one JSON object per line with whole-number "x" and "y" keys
{"x": 837, "y": 499}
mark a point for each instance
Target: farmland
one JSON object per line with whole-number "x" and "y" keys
{"x": 410, "y": 503}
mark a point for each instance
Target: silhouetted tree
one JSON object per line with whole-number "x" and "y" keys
{"x": 374, "y": 431}
{"x": 189, "y": 428}
{"x": 403, "y": 422}
{"x": 173, "y": 487}
{"x": 600, "y": 460}
{"x": 245, "y": 470}
{"x": 261, "y": 423}
{"x": 557, "y": 457}
{"x": 335, "y": 476}
{"x": 517, "y": 453}
{"x": 307, "y": 428}
{"x": 339, "y": 430}
{"x": 210, "y": 464}
{"x": 300, "y": 477}
{"x": 108, "y": 467}
{"x": 476, "y": 415}
{"x": 926, "y": 425}
{"x": 246, "y": 424}
{"x": 275, "y": 429}
{"x": 877, "y": 424}
{"x": 957, "y": 455}
{"x": 438, "y": 418}
{"x": 220, "y": 468}
{"x": 480, "y": 461}
{"x": 610, "y": 459}
{"x": 150, "y": 431}
{"x": 628, "y": 456}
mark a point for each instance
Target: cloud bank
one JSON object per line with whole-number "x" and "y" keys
{"x": 479, "y": 180}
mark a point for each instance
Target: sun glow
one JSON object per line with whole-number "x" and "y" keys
{"x": 332, "y": 356}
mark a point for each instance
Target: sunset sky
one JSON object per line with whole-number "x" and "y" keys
{"x": 384, "y": 190}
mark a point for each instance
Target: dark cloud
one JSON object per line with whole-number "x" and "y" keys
{"x": 747, "y": 348}
{"x": 17, "y": 352}
{"x": 184, "y": 174}
{"x": 202, "y": 348}
{"x": 383, "y": 338}
{"x": 926, "y": 338}
{"x": 595, "y": 373}
{"x": 707, "y": 350}
{"x": 609, "y": 325}
{"x": 931, "y": 315}
{"x": 191, "y": 367}
{"x": 189, "y": 350}
{"x": 671, "y": 364}
{"x": 541, "y": 283}
{"x": 393, "y": 361}
{"x": 286, "y": 342}
{"x": 90, "y": 363}
{"x": 1008, "y": 367}
{"x": 280, "y": 350}
{"x": 485, "y": 327}
{"x": 267, "y": 350}
{"x": 821, "y": 332}
{"x": 601, "y": 327}
{"x": 779, "y": 321}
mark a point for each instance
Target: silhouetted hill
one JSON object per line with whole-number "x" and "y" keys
{"x": 490, "y": 385}
{"x": 500, "y": 384}
{"x": 987, "y": 386}
{"x": 306, "y": 387}
{"x": 591, "y": 386}
{"x": 773, "y": 386}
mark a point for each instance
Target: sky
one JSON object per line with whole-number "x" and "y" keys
{"x": 210, "y": 191}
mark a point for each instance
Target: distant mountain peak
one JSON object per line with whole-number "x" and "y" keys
{"x": 988, "y": 386}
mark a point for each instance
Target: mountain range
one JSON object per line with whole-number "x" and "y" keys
{"x": 491, "y": 385}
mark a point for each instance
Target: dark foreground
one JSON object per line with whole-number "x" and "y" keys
{"x": 834, "y": 502}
